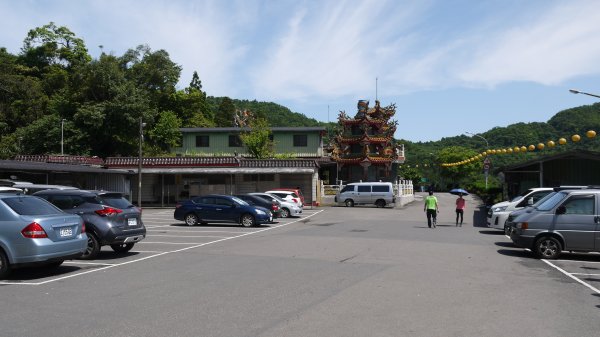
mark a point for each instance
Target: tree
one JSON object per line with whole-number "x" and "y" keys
{"x": 165, "y": 134}
{"x": 51, "y": 45}
{"x": 460, "y": 175}
{"x": 258, "y": 139}
{"x": 225, "y": 113}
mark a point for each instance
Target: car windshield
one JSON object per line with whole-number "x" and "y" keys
{"x": 239, "y": 201}
{"x": 542, "y": 200}
{"x": 551, "y": 202}
{"x": 31, "y": 206}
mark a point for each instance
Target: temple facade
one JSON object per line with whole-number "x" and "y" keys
{"x": 364, "y": 148}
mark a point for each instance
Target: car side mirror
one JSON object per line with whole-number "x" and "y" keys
{"x": 561, "y": 210}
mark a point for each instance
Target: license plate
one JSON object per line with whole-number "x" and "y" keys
{"x": 65, "y": 232}
{"x": 132, "y": 222}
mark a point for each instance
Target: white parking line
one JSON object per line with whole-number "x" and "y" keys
{"x": 194, "y": 245}
{"x": 571, "y": 276}
{"x": 90, "y": 263}
{"x": 190, "y": 236}
{"x": 169, "y": 243}
{"x": 180, "y": 231}
{"x": 585, "y": 274}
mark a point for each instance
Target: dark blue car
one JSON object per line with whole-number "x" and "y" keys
{"x": 220, "y": 208}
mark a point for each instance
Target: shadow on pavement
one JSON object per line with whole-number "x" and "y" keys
{"x": 505, "y": 244}
{"x": 515, "y": 252}
{"x": 492, "y": 232}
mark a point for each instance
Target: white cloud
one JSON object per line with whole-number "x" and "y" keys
{"x": 562, "y": 43}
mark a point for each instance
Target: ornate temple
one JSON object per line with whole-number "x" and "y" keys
{"x": 364, "y": 148}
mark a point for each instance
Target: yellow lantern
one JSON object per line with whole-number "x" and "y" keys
{"x": 493, "y": 151}
{"x": 523, "y": 148}
{"x": 517, "y": 149}
{"x": 562, "y": 141}
{"x": 531, "y": 147}
{"x": 484, "y": 153}
{"x": 551, "y": 143}
{"x": 509, "y": 150}
{"x": 540, "y": 146}
{"x": 591, "y": 134}
{"x": 576, "y": 138}
{"x": 503, "y": 151}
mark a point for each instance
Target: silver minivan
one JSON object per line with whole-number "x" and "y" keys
{"x": 567, "y": 221}
{"x": 379, "y": 194}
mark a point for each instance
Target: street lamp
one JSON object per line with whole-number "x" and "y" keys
{"x": 62, "y": 137}
{"x": 139, "y": 201}
{"x": 581, "y": 92}
{"x": 486, "y": 161}
{"x": 478, "y": 135}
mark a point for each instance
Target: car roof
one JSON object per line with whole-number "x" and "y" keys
{"x": 77, "y": 192}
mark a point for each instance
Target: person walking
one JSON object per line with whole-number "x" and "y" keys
{"x": 460, "y": 209}
{"x": 431, "y": 207}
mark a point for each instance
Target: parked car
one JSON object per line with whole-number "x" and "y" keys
{"x": 288, "y": 209}
{"x": 379, "y": 194}
{"x": 11, "y": 190}
{"x": 110, "y": 219}
{"x": 33, "y": 231}
{"x": 287, "y": 195}
{"x": 498, "y": 213}
{"x": 220, "y": 208}
{"x": 567, "y": 221}
{"x": 295, "y": 190}
{"x": 33, "y": 188}
{"x": 274, "y": 206}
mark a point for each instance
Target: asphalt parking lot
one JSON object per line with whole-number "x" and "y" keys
{"x": 334, "y": 271}
{"x": 164, "y": 236}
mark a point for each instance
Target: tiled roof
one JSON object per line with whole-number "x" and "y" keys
{"x": 278, "y": 163}
{"x": 73, "y": 160}
{"x": 172, "y": 161}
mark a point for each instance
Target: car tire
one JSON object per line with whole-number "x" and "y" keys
{"x": 93, "y": 247}
{"x": 248, "y": 220}
{"x": 349, "y": 203}
{"x": 285, "y": 213}
{"x": 191, "y": 219}
{"x": 122, "y": 247}
{"x": 4, "y": 265}
{"x": 547, "y": 247}
{"x": 380, "y": 203}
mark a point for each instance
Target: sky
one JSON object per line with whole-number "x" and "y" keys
{"x": 449, "y": 66}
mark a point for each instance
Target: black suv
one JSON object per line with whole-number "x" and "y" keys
{"x": 109, "y": 218}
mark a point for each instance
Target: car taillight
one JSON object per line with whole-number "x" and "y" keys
{"x": 82, "y": 228}
{"x": 139, "y": 209}
{"x": 295, "y": 200}
{"x": 275, "y": 207}
{"x": 34, "y": 231}
{"x": 108, "y": 211}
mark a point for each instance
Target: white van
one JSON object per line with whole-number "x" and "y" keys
{"x": 378, "y": 194}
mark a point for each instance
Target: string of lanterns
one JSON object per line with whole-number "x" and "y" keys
{"x": 520, "y": 149}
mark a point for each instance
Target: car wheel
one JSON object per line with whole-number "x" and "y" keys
{"x": 349, "y": 203}
{"x": 4, "y": 265}
{"x": 380, "y": 203}
{"x": 93, "y": 247}
{"x": 248, "y": 220}
{"x": 285, "y": 213}
{"x": 547, "y": 248}
{"x": 191, "y": 219}
{"x": 122, "y": 247}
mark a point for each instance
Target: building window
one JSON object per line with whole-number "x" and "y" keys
{"x": 235, "y": 141}
{"x": 202, "y": 141}
{"x": 300, "y": 140}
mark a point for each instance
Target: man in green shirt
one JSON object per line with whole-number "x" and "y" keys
{"x": 431, "y": 207}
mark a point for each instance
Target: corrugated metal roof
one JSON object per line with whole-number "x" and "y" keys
{"x": 52, "y": 167}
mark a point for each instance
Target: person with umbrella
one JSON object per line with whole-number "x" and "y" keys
{"x": 460, "y": 204}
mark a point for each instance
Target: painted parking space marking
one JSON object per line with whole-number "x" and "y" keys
{"x": 571, "y": 275}
{"x": 190, "y": 245}
{"x": 190, "y": 236}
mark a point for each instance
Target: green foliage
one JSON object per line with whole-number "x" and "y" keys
{"x": 257, "y": 139}
{"x": 225, "y": 113}
{"x": 165, "y": 134}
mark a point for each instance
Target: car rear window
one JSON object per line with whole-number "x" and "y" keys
{"x": 31, "y": 206}
{"x": 116, "y": 200}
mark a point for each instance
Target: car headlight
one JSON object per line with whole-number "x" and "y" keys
{"x": 499, "y": 209}
{"x": 259, "y": 211}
